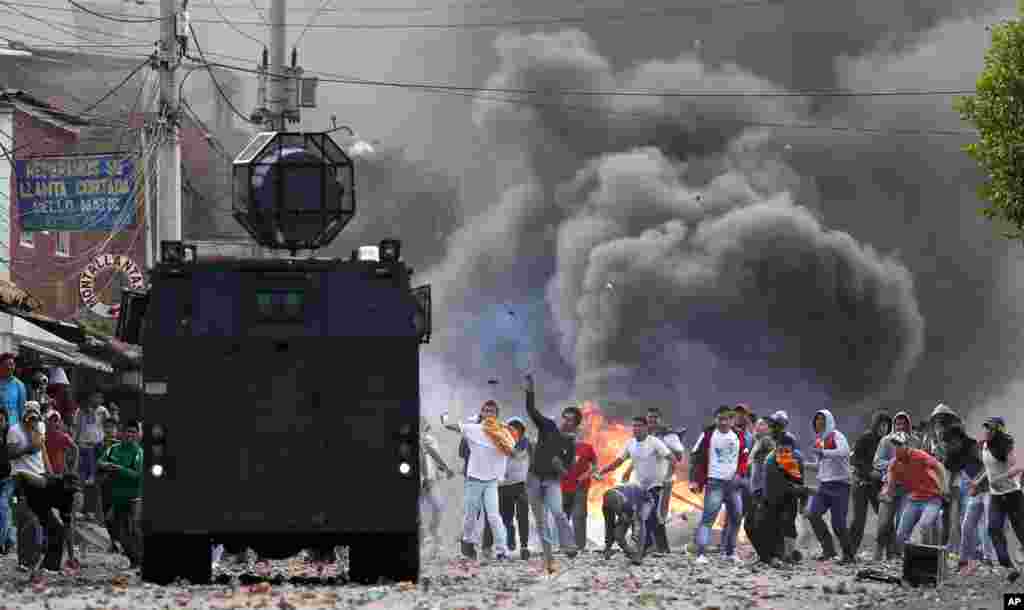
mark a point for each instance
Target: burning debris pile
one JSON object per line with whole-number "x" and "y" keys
{"x": 609, "y": 437}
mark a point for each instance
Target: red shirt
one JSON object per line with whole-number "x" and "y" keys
{"x": 919, "y": 474}
{"x": 56, "y": 444}
{"x": 585, "y": 458}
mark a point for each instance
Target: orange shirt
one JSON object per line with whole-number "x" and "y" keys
{"x": 919, "y": 474}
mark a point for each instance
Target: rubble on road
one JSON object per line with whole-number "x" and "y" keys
{"x": 449, "y": 583}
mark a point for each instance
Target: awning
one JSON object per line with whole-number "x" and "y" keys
{"x": 68, "y": 332}
{"x": 72, "y": 359}
{"x": 27, "y": 335}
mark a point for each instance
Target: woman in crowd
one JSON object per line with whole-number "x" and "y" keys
{"x": 1002, "y": 471}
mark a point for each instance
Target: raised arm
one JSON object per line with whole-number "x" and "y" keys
{"x": 531, "y": 406}
{"x": 431, "y": 451}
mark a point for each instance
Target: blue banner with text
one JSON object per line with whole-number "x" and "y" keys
{"x": 93, "y": 193}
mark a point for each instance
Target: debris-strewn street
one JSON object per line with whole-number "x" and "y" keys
{"x": 589, "y": 581}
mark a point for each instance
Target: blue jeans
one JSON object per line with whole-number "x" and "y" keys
{"x": 732, "y": 529}
{"x": 716, "y": 493}
{"x": 6, "y": 518}
{"x": 483, "y": 496}
{"x": 975, "y": 542}
{"x": 87, "y": 459}
{"x": 923, "y": 512}
{"x": 546, "y": 504}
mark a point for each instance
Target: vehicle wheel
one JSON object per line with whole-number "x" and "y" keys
{"x": 168, "y": 557}
{"x": 30, "y": 532}
{"x": 394, "y": 558}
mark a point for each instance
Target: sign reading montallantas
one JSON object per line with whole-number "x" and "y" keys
{"x": 94, "y": 193}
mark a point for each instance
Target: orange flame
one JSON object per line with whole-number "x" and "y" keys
{"x": 609, "y": 438}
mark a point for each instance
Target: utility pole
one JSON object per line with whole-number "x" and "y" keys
{"x": 168, "y": 211}
{"x": 277, "y": 100}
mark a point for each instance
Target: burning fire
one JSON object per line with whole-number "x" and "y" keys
{"x": 609, "y": 438}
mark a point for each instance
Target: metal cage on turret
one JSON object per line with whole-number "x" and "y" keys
{"x": 293, "y": 191}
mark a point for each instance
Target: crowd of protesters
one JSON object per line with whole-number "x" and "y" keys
{"x": 62, "y": 461}
{"x": 933, "y": 480}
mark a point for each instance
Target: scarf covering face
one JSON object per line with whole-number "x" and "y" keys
{"x": 500, "y": 434}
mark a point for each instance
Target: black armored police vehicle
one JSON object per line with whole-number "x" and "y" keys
{"x": 281, "y": 395}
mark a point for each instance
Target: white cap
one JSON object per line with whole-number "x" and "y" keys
{"x": 58, "y": 376}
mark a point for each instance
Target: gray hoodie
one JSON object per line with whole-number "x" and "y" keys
{"x": 834, "y": 450}
{"x": 886, "y": 452}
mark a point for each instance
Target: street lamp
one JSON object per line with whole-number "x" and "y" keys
{"x": 358, "y": 147}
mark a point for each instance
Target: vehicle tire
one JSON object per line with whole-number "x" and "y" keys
{"x": 392, "y": 557}
{"x": 30, "y": 532}
{"x": 168, "y": 557}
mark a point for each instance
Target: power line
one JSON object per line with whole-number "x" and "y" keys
{"x": 618, "y": 93}
{"x": 118, "y": 87}
{"x": 309, "y": 21}
{"x": 117, "y": 18}
{"x": 213, "y": 78}
{"x": 70, "y": 32}
{"x": 589, "y": 16}
{"x": 231, "y": 25}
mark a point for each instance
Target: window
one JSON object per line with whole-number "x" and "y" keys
{"x": 280, "y": 305}
{"x": 28, "y": 239}
{"x": 63, "y": 243}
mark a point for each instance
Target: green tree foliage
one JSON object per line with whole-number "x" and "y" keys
{"x": 997, "y": 111}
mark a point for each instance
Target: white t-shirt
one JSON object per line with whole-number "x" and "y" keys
{"x": 650, "y": 458}
{"x": 31, "y": 463}
{"x": 723, "y": 455}
{"x": 91, "y": 426}
{"x": 486, "y": 462}
{"x": 671, "y": 441}
{"x": 996, "y": 470}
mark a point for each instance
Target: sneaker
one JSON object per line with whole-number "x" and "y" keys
{"x": 734, "y": 558}
{"x": 501, "y": 557}
{"x": 571, "y": 554}
{"x": 468, "y": 550}
{"x": 1013, "y": 575}
{"x": 702, "y": 559}
{"x": 524, "y": 554}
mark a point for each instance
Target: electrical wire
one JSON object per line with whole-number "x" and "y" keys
{"x": 213, "y": 78}
{"x": 147, "y": 62}
{"x": 309, "y": 21}
{"x": 234, "y": 27}
{"x": 590, "y": 16}
{"x": 117, "y": 18}
{"x": 111, "y": 125}
{"x": 478, "y": 93}
{"x": 650, "y": 93}
{"x": 75, "y": 33}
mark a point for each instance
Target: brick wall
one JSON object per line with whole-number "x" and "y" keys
{"x": 50, "y": 277}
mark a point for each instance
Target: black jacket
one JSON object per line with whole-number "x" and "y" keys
{"x": 551, "y": 444}
{"x": 862, "y": 458}
{"x": 962, "y": 453}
